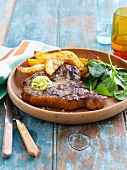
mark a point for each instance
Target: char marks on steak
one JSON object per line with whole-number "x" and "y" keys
{"x": 67, "y": 91}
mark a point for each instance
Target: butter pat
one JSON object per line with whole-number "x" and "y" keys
{"x": 41, "y": 83}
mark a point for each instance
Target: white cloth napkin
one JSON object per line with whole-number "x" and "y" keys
{"x": 11, "y": 57}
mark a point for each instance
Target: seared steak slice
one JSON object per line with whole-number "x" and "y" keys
{"x": 67, "y": 91}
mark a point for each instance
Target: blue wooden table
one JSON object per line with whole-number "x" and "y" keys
{"x": 62, "y": 23}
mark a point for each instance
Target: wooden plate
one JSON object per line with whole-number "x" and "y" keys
{"x": 78, "y": 116}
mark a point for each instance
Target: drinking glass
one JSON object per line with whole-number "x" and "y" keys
{"x": 119, "y": 33}
{"x": 104, "y": 11}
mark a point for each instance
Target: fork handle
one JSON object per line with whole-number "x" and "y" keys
{"x": 29, "y": 143}
{"x": 7, "y": 140}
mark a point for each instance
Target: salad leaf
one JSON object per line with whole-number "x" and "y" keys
{"x": 120, "y": 75}
{"x": 101, "y": 89}
{"x": 96, "y": 69}
{"x": 121, "y": 94}
{"x": 116, "y": 74}
{"x": 121, "y": 70}
{"x": 105, "y": 75}
{"x": 91, "y": 61}
{"x": 90, "y": 82}
{"x": 106, "y": 79}
{"x": 109, "y": 84}
{"x": 120, "y": 80}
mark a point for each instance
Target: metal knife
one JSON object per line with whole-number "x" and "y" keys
{"x": 8, "y": 128}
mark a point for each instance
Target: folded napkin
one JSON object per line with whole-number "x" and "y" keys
{"x": 11, "y": 57}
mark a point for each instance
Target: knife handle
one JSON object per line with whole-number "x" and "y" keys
{"x": 7, "y": 140}
{"x": 29, "y": 143}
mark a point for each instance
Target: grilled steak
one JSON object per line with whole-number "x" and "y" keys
{"x": 67, "y": 91}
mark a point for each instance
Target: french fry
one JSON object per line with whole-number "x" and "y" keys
{"x": 35, "y": 61}
{"x": 32, "y": 69}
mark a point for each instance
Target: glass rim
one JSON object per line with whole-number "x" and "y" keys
{"x": 120, "y": 13}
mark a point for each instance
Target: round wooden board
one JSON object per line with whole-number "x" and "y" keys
{"x": 78, "y": 116}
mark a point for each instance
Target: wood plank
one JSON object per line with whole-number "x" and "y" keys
{"x": 125, "y": 118}
{"x": 37, "y": 21}
{"x": 34, "y": 20}
{"x": 107, "y": 149}
{"x": 77, "y": 25}
{"x": 71, "y": 24}
{"x": 77, "y": 28}
{"x": 6, "y": 10}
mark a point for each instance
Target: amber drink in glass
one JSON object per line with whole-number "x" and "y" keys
{"x": 119, "y": 33}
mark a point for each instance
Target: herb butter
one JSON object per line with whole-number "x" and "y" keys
{"x": 41, "y": 83}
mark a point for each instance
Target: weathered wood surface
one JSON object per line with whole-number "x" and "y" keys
{"x": 61, "y": 23}
{"x": 6, "y": 11}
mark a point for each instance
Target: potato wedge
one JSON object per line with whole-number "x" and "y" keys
{"x": 53, "y": 64}
{"x": 32, "y": 69}
{"x": 83, "y": 60}
{"x": 51, "y": 61}
{"x": 81, "y": 65}
{"x": 35, "y": 61}
{"x": 83, "y": 71}
{"x": 45, "y": 55}
{"x": 72, "y": 58}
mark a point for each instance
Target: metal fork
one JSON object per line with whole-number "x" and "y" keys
{"x": 29, "y": 143}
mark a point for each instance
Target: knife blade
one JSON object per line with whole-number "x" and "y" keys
{"x": 8, "y": 131}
